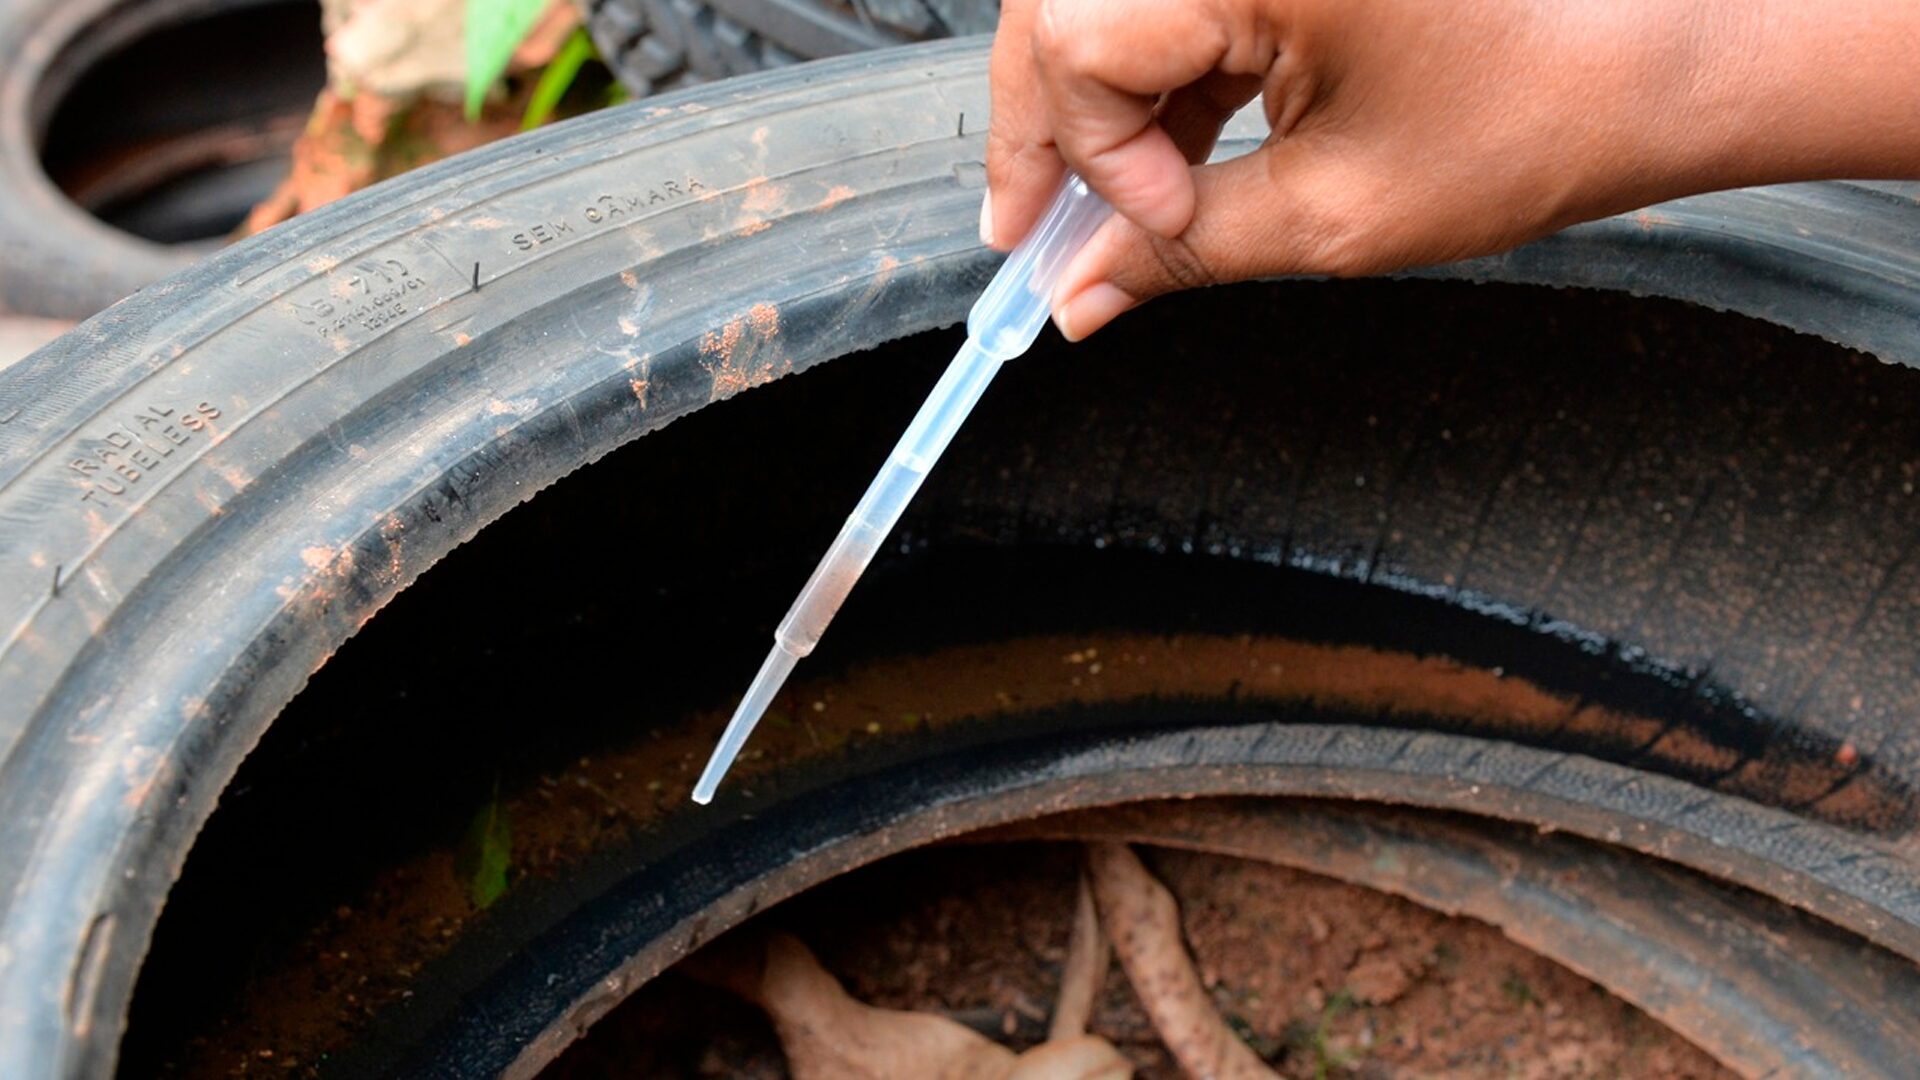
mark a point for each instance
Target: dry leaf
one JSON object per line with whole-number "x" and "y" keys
{"x": 1143, "y": 922}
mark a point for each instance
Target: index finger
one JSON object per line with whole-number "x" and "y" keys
{"x": 1023, "y": 167}
{"x": 1104, "y": 67}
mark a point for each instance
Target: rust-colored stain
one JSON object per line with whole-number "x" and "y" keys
{"x": 326, "y": 568}
{"x": 744, "y": 352}
{"x": 761, "y": 205}
{"x": 883, "y": 272}
{"x": 766, "y": 319}
{"x": 236, "y": 477}
{"x": 140, "y": 770}
{"x": 390, "y": 531}
{"x": 724, "y": 341}
{"x": 762, "y": 196}
{"x": 836, "y": 195}
{"x": 630, "y": 279}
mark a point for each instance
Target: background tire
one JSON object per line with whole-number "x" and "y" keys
{"x": 655, "y": 45}
{"x": 207, "y": 488}
{"x": 135, "y": 134}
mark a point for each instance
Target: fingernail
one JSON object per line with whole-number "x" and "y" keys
{"x": 1090, "y": 309}
{"x": 986, "y": 219}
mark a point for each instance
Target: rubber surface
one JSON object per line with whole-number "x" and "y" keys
{"x": 206, "y": 488}
{"x": 122, "y": 87}
{"x": 654, "y": 45}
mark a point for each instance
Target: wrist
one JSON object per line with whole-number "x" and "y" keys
{"x": 1774, "y": 91}
{"x": 1648, "y": 107}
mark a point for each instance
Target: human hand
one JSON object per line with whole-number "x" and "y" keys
{"x": 1407, "y": 132}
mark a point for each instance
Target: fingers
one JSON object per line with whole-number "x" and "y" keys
{"x": 1289, "y": 208}
{"x": 1194, "y": 115}
{"x": 1081, "y": 83}
{"x": 1110, "y": 138}
{"x": 1103, "y": 67}
{"x": 1023, "y": 167}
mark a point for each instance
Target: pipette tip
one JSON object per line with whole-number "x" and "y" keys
{"x": 773, "y": 673}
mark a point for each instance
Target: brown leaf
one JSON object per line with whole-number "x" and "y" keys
{"x": 1143, "y": 922}
{"x": 828, "y": 1035}
{"x": 1088, "y": 957}
{"x": 1076, "y": 1057}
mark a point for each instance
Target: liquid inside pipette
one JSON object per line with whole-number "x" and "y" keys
{"x": 1003, "y": 324}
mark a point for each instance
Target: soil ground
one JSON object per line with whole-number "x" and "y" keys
{"x": 1323, "y": 979}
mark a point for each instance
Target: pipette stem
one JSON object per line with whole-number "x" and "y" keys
{"x": 966, "y": 378}
{"x": 1002, "y": 325}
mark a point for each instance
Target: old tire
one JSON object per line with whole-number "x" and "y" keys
{"x": 417, "y": 359}
{"x": 655, "y": 45}
{"x": 135, "y": 133}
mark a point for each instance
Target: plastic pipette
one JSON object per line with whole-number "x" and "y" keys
{"x": 1003, "y": 324}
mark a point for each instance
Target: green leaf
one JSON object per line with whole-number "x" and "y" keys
{"x": 485, "y": 853}
{"x": 494, "y": 29}
{"x": 556, "y": 78}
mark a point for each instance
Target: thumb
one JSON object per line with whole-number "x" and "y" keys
{"x": 1287, "y": 208}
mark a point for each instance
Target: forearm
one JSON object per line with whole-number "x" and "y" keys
{"x": 1791, "y": 90}
{"x": 1411, "y": 132}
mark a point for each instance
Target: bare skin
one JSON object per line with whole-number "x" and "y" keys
{"x": 1408, "y": 132}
